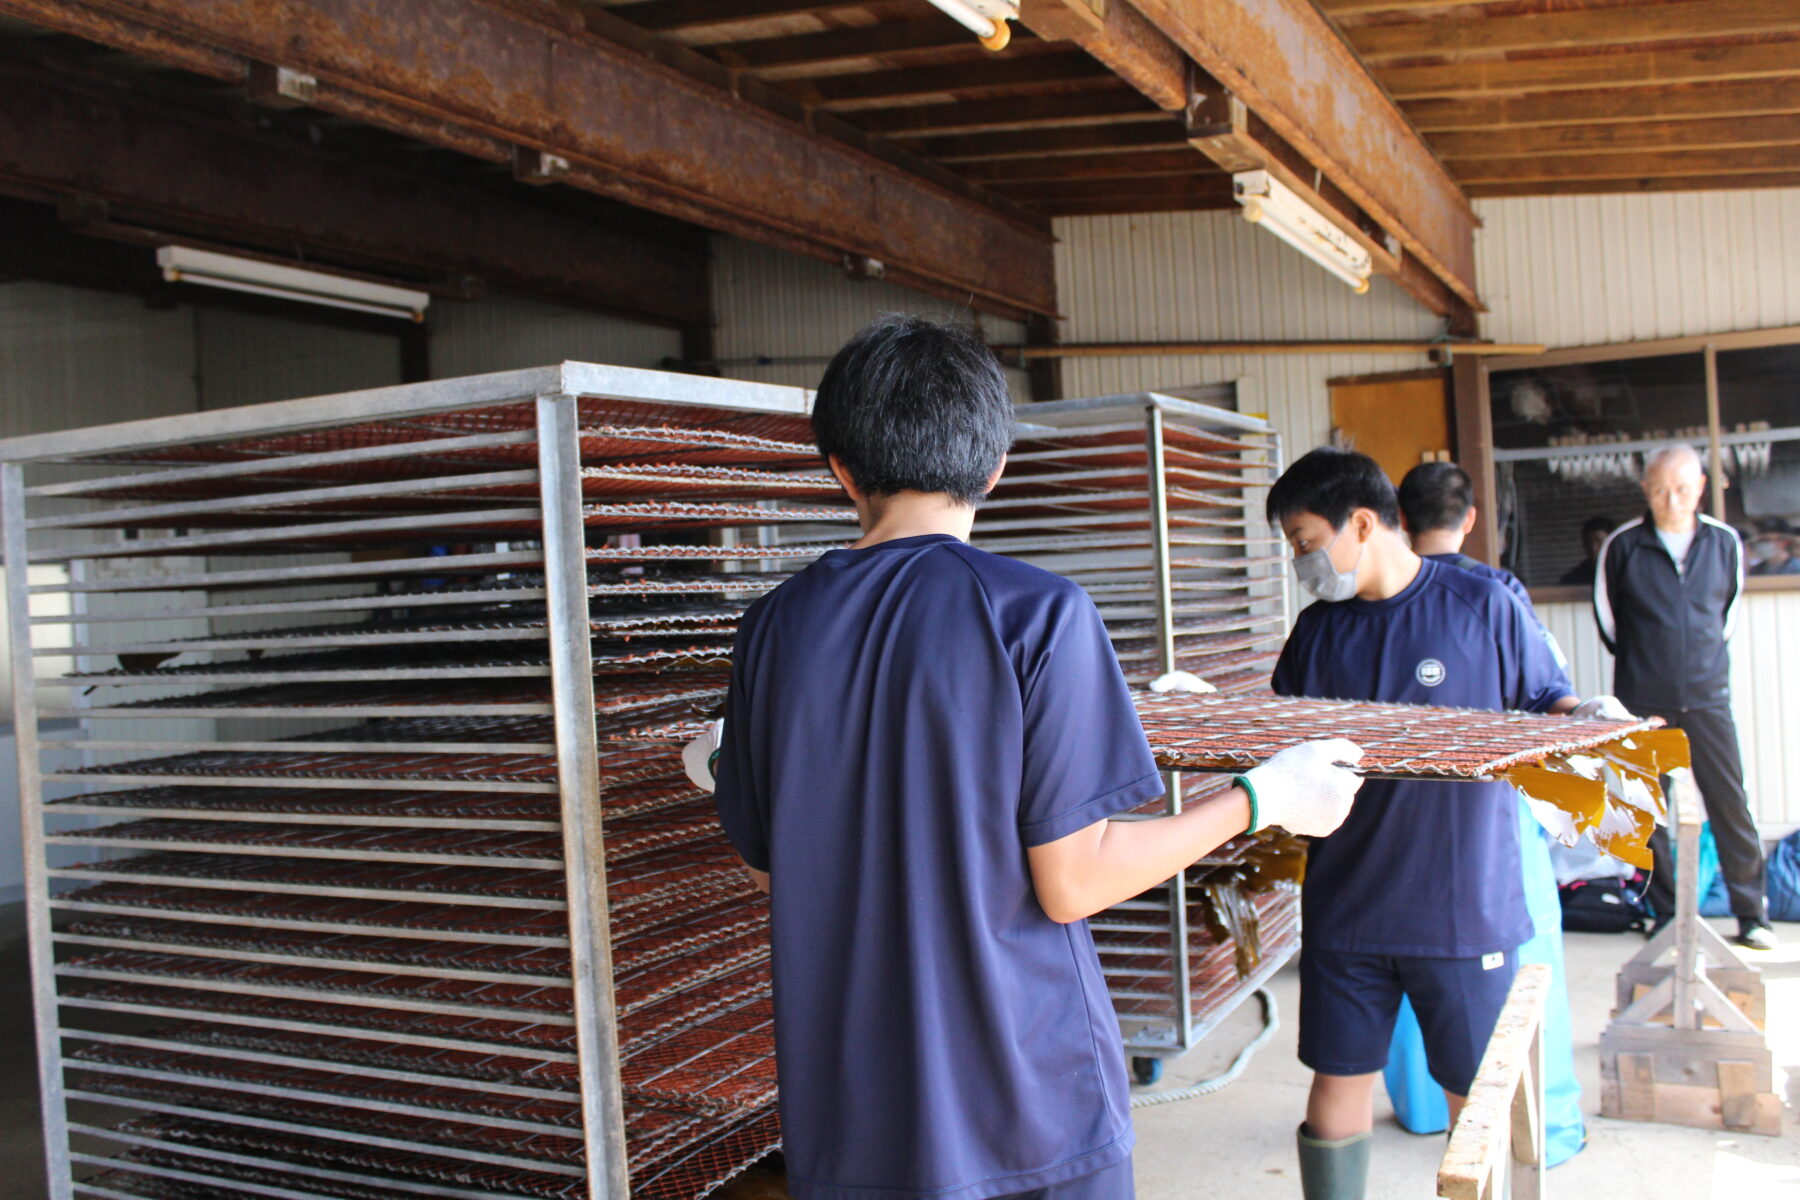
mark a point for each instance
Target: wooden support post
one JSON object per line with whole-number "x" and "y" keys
{"x": 1686, "y": 1046}
{"x": 1500, "y": 1131}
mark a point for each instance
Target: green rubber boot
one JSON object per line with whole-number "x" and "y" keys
{"x": 1333, "y": 1170}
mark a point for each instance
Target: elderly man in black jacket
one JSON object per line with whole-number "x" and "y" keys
{"x": 1666, "y": 596}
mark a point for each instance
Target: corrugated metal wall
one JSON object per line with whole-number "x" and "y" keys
{"x": 1212, "y": 276}
{"x": 251, "y": 359}
{"x": 503, "y": 333}
{"x": 1587, "y": 270}
{"x": 773, "y": 304}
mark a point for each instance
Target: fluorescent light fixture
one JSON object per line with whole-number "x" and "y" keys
{"x": 1276, "y": 207}
{"x": 181, "y": 264}
{"x": 986, "y": 19}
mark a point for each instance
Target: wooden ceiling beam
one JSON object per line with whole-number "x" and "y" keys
{"x": 1110, "y": 107}
{"x": 1721, "y": 166}
{"x": 834, "y": 46}
{"x": 1354, "y": 8}
{"x": 985, "y": 76}
{"x": 1655, "y": 183}
{"x": 1100, "y": 166}
{"x": 1576, "y": 72}
{"x": 1677, "y": 20}
{"x": 1734, "y": 98}
{"x": 674, "y": 16}
{"x": 1717, "y": 133}
{"x": 1211, "y": 186}
{"x": 1082, "y": 139}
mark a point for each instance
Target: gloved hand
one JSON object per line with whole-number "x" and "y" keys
{"x": 1303, "y": 789}
{"x": 698, "y": 756}
{"x": 1181, "y": 681}
{"x": 1603, "y": 708}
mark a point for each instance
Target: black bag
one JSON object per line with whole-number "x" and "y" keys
{"x": 1599, "y": 906}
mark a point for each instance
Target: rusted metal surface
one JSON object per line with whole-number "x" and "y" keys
{"x": 1284, "y": 60}
{"x": 632, "y": 129}
{"x": 163, "y": 166}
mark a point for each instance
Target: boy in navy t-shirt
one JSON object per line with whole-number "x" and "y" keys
{"x": 1419, "y": 892}
{"x": 921, "y": 747}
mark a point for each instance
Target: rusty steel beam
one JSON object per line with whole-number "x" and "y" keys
{"x": 1287, "y": 64}
{"x": 1149, "y": 52}
{"x": 157, "y": 168}
{"x": 487, "y": 76}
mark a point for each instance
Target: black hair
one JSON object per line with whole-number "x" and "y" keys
{"x": 1435, "y": 495}
{"x": 1595, "y": 525}
{"x": 914, "y": 405}
{"x": 1333, "y": 483}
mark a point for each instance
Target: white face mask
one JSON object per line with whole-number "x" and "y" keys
{"x": 1318, "y": 575}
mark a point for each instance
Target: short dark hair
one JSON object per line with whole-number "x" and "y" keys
{"x": 1435, "y": 495}
{"x": 1595, "y": 525}
{"x": 914, "y": 405}
{"x": 1333, "y": 483}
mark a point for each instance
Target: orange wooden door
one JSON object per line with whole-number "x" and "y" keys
{"x": 1398, "y": 422}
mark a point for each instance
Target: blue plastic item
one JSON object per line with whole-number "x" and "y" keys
{"x": 1418, "y": 1100}
{"x": 1784, "y": 879}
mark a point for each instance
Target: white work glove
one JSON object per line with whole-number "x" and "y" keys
{"x": 1603, "y": 708}
{"x": 1181, "y": 681}
{"x": 1304, "y": 789}
{"x": 698, "y": 756}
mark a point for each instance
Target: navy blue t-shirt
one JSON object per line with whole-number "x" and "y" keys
{"x": 1428, "y": 869}
{"x": 904, "y": 721}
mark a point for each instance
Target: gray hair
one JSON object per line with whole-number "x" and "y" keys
{"x": 1674, "y": 455}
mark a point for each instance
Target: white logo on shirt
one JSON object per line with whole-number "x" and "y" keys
{"x": 1429, "y": 672}
{"x": 1496, "y": 959}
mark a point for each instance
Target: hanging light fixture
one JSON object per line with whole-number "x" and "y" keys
{"x": 1276, "y": 207}
{"x": 986, "y": 19}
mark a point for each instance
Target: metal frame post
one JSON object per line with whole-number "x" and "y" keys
{"x": 578, "y": 782}
{"x": 1156, "y": 462}
{"x": 16, "y": 557}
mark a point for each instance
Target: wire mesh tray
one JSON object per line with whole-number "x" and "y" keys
{"x": 1206, "y": 733}
{"x": 548, "y": 888}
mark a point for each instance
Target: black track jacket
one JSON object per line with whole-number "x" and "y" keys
{"x": 1668, "y": 629}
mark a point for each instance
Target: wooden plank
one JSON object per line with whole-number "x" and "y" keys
{"x": 1731, "y": 98}
{"x": 1485, "y": 1127}
{"x": 668, "y": 16}
{"x": 1571, "y": 72}
{"x": 1106, "y": 166}
{"x": 985, "y": 76}
{"x": 1667, "y": 183}
{"x": 1637, "y": 1087}
{"x": 1737, "y": 1094}
{"x": 471, "y": 75}
{"x": 1089, "y": 139}
{"x": 1206, "y": 187}
{"x": 1718, "y": 163}
{"x": 1703, "y": 134}
{"x": 1676, "y": 20}
{"x": 839, "y": 46}
{"x": 1112, "y": 106}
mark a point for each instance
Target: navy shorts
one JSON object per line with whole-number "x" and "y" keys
{"x": 1108, "y": 1183}
{"x": 1348, "y": 1003}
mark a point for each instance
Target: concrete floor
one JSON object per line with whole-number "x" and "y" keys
{"x": 1238, "y": 1143}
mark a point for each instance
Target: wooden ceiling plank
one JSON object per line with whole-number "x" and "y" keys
{"x": 1577, "y": 72}
{"x": 1143, "y": 163}
{"x": 1720, "y": 165}
{"x": 1662, "y": 183}
{"x": 1085, "y": 139}
{"x": 672, "y": 16}
{"x": 1733, "y": 98}
{"x": 1113, "y": 106}
{"x": 984, "y": 76}
{"x": 1702, "y": 134}
{"x": 859, "y": 43}
{"x": 1677, "y": 20}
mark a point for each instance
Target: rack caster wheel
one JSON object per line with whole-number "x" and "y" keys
{"x": 1147, "y": 1070}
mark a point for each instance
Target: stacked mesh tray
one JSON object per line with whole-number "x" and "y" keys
{"x": 1154, "y": 504}
{"x": 354, "y": 883}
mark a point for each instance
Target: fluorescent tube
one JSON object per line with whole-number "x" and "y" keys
{"x": 182, "y": 264}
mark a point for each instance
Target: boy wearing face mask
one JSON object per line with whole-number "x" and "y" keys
{"x": 1419, "y": 892}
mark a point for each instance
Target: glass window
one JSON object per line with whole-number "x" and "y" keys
{"x": 1759, "y": 422}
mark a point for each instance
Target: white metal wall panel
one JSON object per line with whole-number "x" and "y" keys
{"x": 1587, "y": 270}
{"x": 1765, "y": 662}
{"x": 1212, "y": 276}
{"x": 247, "y": 358}
{"x": 503, "y": 333}
{"x": 774, "y": 304}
